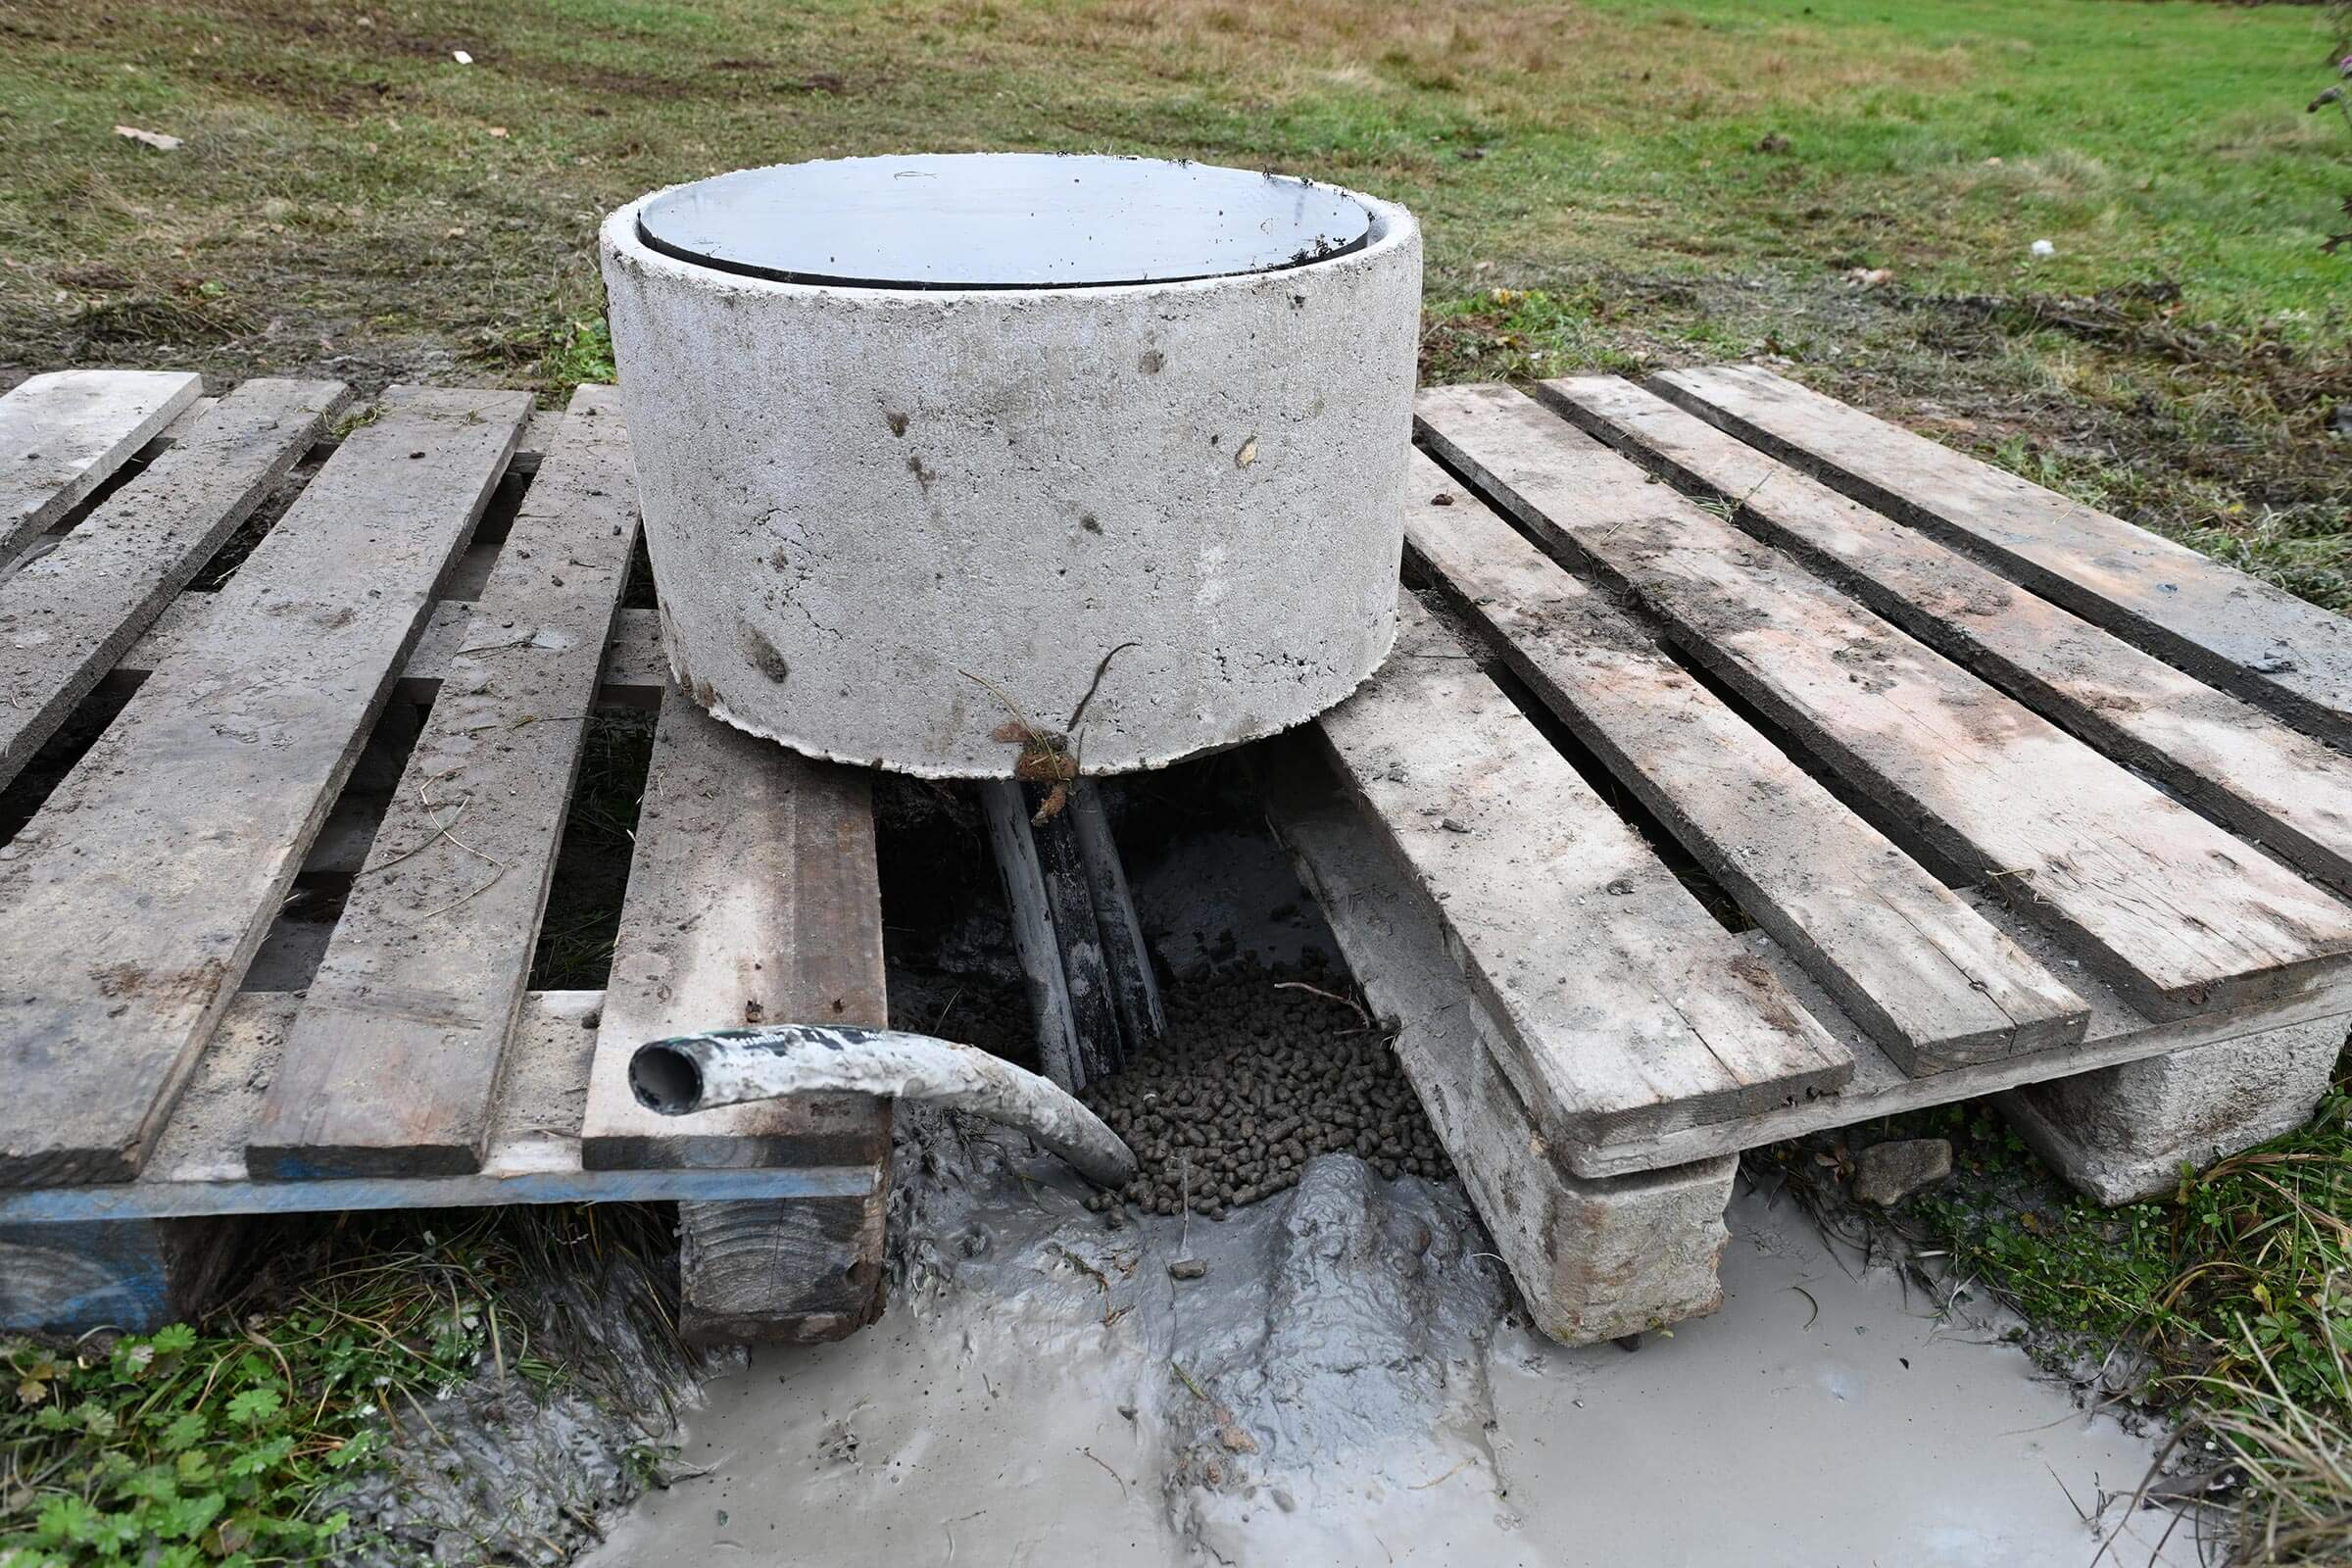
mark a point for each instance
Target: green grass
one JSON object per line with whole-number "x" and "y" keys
{"x": 223, "y": 1440}
{"x": 343, "y": 171}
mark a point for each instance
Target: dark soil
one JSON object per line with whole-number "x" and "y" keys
{"x": 1250, "y": 1083}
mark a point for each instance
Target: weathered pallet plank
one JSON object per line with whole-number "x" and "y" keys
{"x": 396, "y": 1060}
{"x": 2213, "y": 620}
{"x": 753, "y": 898}
{"x": 133, "y": 903}
{"x": 1625, "y": 1008}
{"x": 1936, "y": 984}
{"x": 62, "y": 432}
{"x": 66, "y": 618}
{"x": 2233, "y": 760}
{"x": 2173, "y": 911}
{"x": 198, "y": 1164}
{"x": 635, "y": 670}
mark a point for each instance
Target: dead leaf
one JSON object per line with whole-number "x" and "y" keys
{"x": 150, "y": 138}
{"x": 1010, "y": 731}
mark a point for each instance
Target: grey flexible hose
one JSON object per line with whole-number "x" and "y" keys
{"x": 732, "y": 1067}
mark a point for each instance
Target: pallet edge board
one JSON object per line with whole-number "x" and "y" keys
{"x": 198, "y": 1167}
{"x": 69, "y": 614}
{"x": 444, "y": 913}
{"x": 1936, "y": 985}
{"x": 2228, "y": 756}
{"x": 136, "y": 896}
{"x": 1625, "y": 1006}
{"x": 752, "y": 897}
{"x": 2212, "y": 619}
{"x": 2166, "y": 904}
{"x": 63, "y": 432}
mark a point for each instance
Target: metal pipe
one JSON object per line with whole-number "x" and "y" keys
{"x": 731, "y": 1066}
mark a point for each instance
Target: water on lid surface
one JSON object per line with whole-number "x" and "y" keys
{"x": 1001, "y": 220}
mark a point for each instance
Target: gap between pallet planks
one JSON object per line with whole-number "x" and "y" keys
{"x": 1936, "y": 985}
{"x": 62, "y": 433}
{"x": 2171, "y": 908}
{"x": 129, "y": 907}
{"x": 395, "y": 1063}
{"x": 2214, "y": 621}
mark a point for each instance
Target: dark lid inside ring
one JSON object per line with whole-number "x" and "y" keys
{"x": 1001, "y": 221}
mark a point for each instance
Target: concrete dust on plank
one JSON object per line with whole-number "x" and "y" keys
{"x": 1348, "y": 1382}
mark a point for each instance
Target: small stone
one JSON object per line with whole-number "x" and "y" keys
{"x": 1890, "y": 1172}
{"x": 1186, "y": 1269}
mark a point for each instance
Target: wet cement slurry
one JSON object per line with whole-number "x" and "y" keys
{"x": 1344, "y": 1386}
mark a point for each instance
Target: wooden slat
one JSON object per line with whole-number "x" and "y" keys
{"x": 133, "y": 903}
{"x": 635, "y": 667}
{"x": 2213, "y": 620}
{"x": 1625, "y": 1008}
{"x": 2254, "y": 772}
{"x": 1936, "y": 985}
{"x": 2171, "y": 908}
{"x": 62, "y": 433}
{"x": 397, "y": 1057}
{"x": 66, "y": 618}
{"x": 753, "y": 898}
{"x": 198, "y": 1164}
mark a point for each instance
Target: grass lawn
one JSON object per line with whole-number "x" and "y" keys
{"x": 1852, "y": 186}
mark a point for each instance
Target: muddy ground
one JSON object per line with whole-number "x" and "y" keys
{"x": 1347, "y": 1382}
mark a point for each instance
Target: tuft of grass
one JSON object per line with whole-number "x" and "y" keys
{"x": 225, "y": 1441}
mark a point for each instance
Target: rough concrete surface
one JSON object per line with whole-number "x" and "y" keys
{"x": 2123, "y": 1133}
{"x": 1349, "y": 1383}
{"x": 928, "y": 493}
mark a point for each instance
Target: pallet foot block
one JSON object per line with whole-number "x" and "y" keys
{"x": 790, "y": 1271}
{"x": 135, "y": 1275}
{"x": 1594, "y": 1260}
{"x": 2124, "y": 1133}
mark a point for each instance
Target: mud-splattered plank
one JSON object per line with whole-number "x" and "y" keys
{"x": 398, "y": 1056}
{"x": 1936, "y": 985}
{"x": 2171, "y": 908}
{"x": 753, "y": 898}
{"x": 132, "y": 904}
{"x": 1625, "y": 1007}
{"x": 62, "y": 432}
{"x": 2254, "y": 772}
{"x": 66, "y": 618}
{"x": 2213, "y": 620}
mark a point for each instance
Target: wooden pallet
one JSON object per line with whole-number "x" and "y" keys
{"x": 149, "y": 1088}
{"x": 1970, "y": 787}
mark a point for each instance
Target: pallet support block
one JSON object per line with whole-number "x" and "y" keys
{"x": 2124, "y": 1133}
{"x": 1593, "y": 1259}
{"x": 781, "y": 1271}
{"x": 135, "y": 1275}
